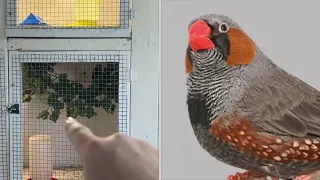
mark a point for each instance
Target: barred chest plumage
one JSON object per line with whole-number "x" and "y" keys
{"x": 207, "y": 93}
{"x": 207, "y": 96}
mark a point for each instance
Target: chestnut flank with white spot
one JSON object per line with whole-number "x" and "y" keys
{"x": 243, "y": 136}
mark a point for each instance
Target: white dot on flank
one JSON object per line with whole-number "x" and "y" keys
{"x": 292, "y": 151}
{"x": 307, "y": 141}
{"x": 284, "y": 155}
{"x": 279, "y": 141}
{"x": 295, "y": 144}
{"x": 253, "y": 145}
{"x": 241, "y": 133}
{"x": 305, "y": 154}
{"x": 314, "y": 156}
{"x": 269, "y": 150}
{"x": 314, "y": 147}
{"x": 298, "y": 152}
{"x": 277, "y": 158}
{"x": 304, "y": 147}
{"x": 315, "y": 141}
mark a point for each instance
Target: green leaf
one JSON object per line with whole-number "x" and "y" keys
{"x": 44, "y": 96}
{"x": 111, "y": 108}
{"x": 90, "y": 112}
{"x": 54, "y": 116}
{"x": 72, "y": 112}
{"x": 26, "y": 98}
{"x": 43, "y": 115}
{"x": 57, "y": 106}
{"x": 108, "y": 106}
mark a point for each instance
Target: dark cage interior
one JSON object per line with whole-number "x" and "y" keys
{"x": 56, "y": 90}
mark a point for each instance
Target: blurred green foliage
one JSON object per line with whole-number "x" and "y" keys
{"x": 56, "y": 90}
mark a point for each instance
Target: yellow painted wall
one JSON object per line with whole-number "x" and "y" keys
{"x": 61, "y": 12}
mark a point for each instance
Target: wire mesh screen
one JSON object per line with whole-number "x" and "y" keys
{"x": 89, "y": 14}
{"x": 52, "y": 87}
{"x": 3, "y": 122}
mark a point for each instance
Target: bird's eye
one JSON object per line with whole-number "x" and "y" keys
{"x": 223, "y": 28}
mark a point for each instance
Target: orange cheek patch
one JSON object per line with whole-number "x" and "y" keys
{"x": 188, "y": 64}
{"x": 244, "y": 137}
{"x": 242, "y": 48}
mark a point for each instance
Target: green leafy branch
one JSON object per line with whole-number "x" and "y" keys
{"x": 57, "y": 91}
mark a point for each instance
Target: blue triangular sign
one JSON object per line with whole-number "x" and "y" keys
{"x": 33, "y": 20}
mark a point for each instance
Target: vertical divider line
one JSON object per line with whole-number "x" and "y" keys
{"x": 8, "y": 63}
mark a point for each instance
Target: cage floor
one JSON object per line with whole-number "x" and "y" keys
{"x": 60, "y": 174}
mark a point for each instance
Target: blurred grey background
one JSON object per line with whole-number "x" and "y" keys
{"x": 287, "y": 31}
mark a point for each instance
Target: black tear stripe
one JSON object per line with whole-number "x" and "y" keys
{"x": 222, "y": 42}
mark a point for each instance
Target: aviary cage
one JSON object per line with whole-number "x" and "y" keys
{"x": 57, "y": 18}
{"x": 42, "y": 87}
{"x": 4, "y": 146}
{"x": 45, "y": 88}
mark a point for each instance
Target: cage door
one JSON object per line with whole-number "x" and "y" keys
{"x": 45, "y": 89}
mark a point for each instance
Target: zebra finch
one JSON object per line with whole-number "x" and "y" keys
{"x": 244, "y": 109}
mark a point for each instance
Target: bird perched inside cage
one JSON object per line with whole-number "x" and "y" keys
{"x": 245, "y": 110}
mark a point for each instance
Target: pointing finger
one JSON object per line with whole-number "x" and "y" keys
{"x": 79, "y": 135}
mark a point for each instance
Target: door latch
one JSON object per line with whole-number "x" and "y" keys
{"x": 14, "y": 109}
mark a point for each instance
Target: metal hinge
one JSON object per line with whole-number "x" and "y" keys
{"x": 132, "y": 14}
{"x": 14, "y": 109}
{"x": 132, "y": 75}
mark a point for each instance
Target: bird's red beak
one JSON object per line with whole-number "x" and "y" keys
{"x": 199, "y": 36}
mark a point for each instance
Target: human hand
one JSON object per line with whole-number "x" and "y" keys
{"x": 116, "y": 157}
